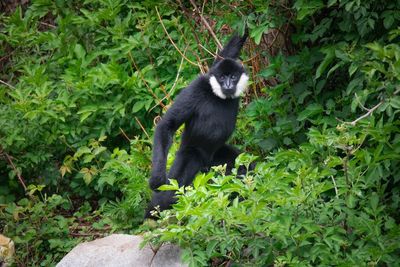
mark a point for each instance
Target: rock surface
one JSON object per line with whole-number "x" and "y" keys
{"x": 121, "y": 250}
{"x": 6, "y": 250}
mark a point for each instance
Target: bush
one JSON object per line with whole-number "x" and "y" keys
{"x": 327, "y": 192}
{"x": 321, "y": 114}
{"x": 39, "y": 225}
{"x": 320, "y": 205}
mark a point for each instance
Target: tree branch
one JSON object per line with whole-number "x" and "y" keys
{"x": 5, "y": 83}
{"x": 9, "y": 159}
{"x": 173, "y": 43}
{"x": 206, "y": 25}
{"x": 371, "y": 110}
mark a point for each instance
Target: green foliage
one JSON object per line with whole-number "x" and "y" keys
{"x": 322, "y": 115}
{"x": 325, "y": 202}
{"x": 327, "y": 192}
{"x": 108, "y": 175}
{"x": 79, "y": 70}
{"x": 38, "y": 224}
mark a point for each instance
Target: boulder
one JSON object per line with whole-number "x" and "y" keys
{"x": 121, "y": 250}
{"x": 6, "y": 250}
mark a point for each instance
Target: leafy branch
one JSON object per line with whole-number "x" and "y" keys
{"x": 370, "y": 111}
{"x": 10, "y": 161}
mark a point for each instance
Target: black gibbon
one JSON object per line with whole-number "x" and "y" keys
{"x": 208, "y": 107}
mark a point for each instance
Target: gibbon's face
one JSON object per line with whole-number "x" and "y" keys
{"x": 228, "y": 79}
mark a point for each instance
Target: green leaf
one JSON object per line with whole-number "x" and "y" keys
{"x": 388, "y": 20}
{"x": 352, "y": 69}
{"x": 351, "y": 201}
{"x": 210, "y": 250}
{"x": 306, "y": 8}
{"x": 258, "y": 32}
{"x": 310, "y": 111}
{"x": 395, "y": 102}
{"x": 332, "y": 2}
{"x": 99, "y": 150}
{"x": 374, "y": 201}
{"x": 79, "y": 51}
{"x": 172, "y": 186}
{"x": 267, "y": 73}
{"x": 202, "y": 179}
{"x": 82, "y": 150}
{"x": 138, "y": 106}
{"x": 329, "y": 56}
{"x": 107, "y": 178}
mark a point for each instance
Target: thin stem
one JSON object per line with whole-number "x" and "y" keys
{"x": 9, "y": 85}
{"x": 124, "y": 134}
{"x": 371, "y": 110}
{"x": 21, "y": 180}
{"x": 141, "y": 126}
{"x": 144, "y": 81}
{"x": 335, "y": 186}
{"x": 206, "y": 24}
{"x": 173, "y": 86}
{"x": 173, "y": 43}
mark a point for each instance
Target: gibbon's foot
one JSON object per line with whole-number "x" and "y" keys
{"x": 160, "y": 201}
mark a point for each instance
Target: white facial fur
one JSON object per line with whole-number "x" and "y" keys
{"x": 216, "y": 87}
{"x": 240, "y": 87}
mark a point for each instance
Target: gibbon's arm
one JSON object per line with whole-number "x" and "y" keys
{"x": 176, "y": 115}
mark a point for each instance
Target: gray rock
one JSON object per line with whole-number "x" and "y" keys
{"x": 168, "y": 255}
{"x": 121, "y": 251}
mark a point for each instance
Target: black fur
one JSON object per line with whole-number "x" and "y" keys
{"x": 232, "y": 48}
{"x": 209, "y": 122}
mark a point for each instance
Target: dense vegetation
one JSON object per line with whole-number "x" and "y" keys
{"x": 83, "y": 82}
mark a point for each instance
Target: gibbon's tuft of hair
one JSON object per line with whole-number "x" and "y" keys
{"x": 232, "y": 48}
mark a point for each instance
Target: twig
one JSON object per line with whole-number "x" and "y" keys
{"x": 366, "y": 114}
{"x": 251, "y": 59}
{"x": 359, "y": 102}
{"x": 199, "y": 61}
{"x": 173, "y": 43}
{"x": 208, "y": 51}
{"x": 21, "y": 180}
{"x": 334, "y": 184}
{"x": 207, "y": 25}
{"x": 273, "y": 40}
{"x": 234, "y": 9}
{"x": 371, "y": 110}
{"x": 143, "y": 79}
{"x": 48, "y": 25}
{"x": 173, "y": 86}
{"x": 177, "y": 77}
{"x": 9, "y": 85}
{"x": 124, "y": 134}
{"x": 190, "y": 18}
{"x": 141, "y": 126}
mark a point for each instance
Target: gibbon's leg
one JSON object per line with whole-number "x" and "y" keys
{"x": 187, "y": 163}
{"x": 225, "y": 155}
{"x": 163, "y": 199}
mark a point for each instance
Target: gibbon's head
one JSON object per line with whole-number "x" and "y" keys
{"x": 228, "y": 79}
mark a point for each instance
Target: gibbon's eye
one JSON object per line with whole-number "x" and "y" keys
{"x": 222, "y": 77}
{"x": 233, "y": 77}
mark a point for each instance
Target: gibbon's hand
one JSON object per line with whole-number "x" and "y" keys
{"x": 156, "y": 181}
